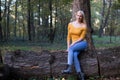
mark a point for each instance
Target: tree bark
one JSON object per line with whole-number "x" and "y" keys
{"x": 1, "y": 33}
{"x": 104, "y": 18}
{"x": 23, "y": 21}
{"x": 52, "y": 30}
{"x": 8, "y": 19}
{"x": 29, "y": 20}
{"x": 107, "y": 15}
{"x": 1, "y": 60}
{"x": 16, "y": 3}
{"x": 32, "y": 25}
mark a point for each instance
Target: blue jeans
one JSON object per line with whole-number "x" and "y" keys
{"x": 73, "y": 53}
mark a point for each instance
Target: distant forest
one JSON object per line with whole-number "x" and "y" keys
{"x": 47, "y": 20}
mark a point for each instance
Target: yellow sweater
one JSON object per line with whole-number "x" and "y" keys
{"x": 76, "y": 33}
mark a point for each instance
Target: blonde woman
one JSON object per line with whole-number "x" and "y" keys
{"x": 76, "y": 42}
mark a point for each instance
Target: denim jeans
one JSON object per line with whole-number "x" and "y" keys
{"x": 73, "y": 53}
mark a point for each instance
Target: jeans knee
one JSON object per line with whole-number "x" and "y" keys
{"x": 69, "y": 50}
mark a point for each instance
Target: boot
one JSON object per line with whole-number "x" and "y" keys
{"x": 68, "y": 70}
{"x": 80, "y": 76}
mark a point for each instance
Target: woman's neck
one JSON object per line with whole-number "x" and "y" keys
{"x": 80, "y": 22}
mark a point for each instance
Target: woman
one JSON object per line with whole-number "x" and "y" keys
{"x": 76, "y": 42}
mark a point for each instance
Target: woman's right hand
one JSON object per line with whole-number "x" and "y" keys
{"x": 66, "y": 50}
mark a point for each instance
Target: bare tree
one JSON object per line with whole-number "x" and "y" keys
{"x": 5, "y": 16}
{"x": 8, "y": 19}
{"x": 28, "y": 23}
{"x": 52, "y": 30}
{"x": 16, "y": 3}
{"x": 1, "y": 34}
{"x": 104, "y": 18}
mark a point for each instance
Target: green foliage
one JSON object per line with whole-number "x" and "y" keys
{"x": 96, "y": 14}
{"x": 119, "y": 1}
{"x": 104, "y": 42}
{"x": 116, "y": 5}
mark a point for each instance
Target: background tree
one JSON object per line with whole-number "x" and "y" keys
{"x": 101, "y": 13}
{"x": 104, "y": 18}
{"x": 1, "y": 34}
{"x": 29, "y": 20}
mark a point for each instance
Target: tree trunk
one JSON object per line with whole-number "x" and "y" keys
{"x": 23, "y": 21}
{"x": 4, "y": 17}
{"x": 52, "y": 30}
{"x": 32, "y": 25}
{"x": 85, "y": 6}
{"x": 39, "y": 7}
{"x": 8, "y": 19}
{"x": 1, "y": 34}
{"x": 16, "y": 3}
{"x": 1, "y": 60}
{"x": 38, "y": 23}
{"x": 104, "y": 19}
{"x": 29, "y": 20}
{"x": 107, "y": 15}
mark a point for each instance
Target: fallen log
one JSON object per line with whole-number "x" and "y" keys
{"x": 4, "y": 69}
{"x": 110, "y": 61}
{"x": 46, "y": 63}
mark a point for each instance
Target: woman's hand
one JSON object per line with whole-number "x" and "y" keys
{"x": 66, "y": 50}
{"x": 72, "y": 44}
{"x": 75, "y": 42}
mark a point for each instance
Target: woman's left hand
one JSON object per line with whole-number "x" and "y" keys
{"x": 72, "y": 44}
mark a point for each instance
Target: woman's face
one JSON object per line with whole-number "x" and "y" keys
{"x": 79, "y": 16}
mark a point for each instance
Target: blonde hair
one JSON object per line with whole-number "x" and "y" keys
{"x": 83, "y": 15}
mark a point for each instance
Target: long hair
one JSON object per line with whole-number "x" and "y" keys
{"x": 83, "y": 16}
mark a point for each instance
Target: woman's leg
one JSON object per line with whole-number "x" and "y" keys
{"x": 76, "y": 47}
{"x": 70, "y": 62}
{"x": 77, "y": 66}
{"x": 76, "y": 62}
{"x": 70, "y": 56}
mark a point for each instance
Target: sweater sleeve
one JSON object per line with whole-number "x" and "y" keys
{"x": 83, "y": 34}
{"x": 68, "y": 34}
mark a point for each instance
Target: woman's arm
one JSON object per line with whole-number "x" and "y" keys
{"x": 68, "y": 37}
